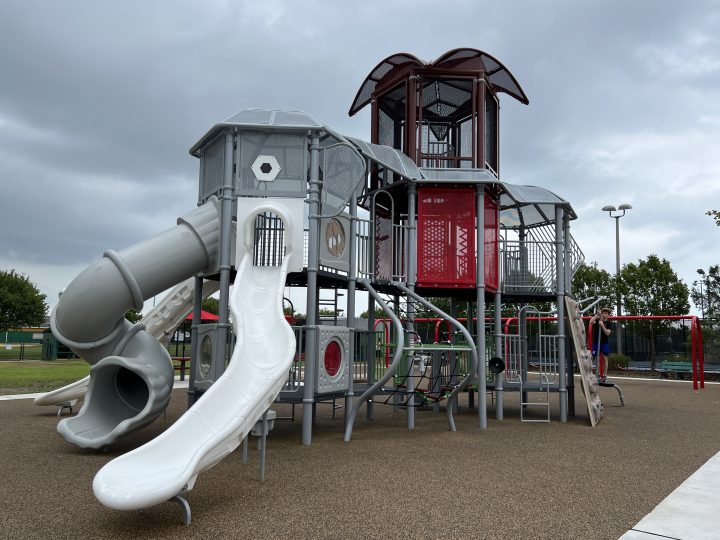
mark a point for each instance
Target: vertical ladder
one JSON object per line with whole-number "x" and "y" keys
{"x": 542, "y": 377}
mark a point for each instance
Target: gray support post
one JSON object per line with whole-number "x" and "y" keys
{"x": 560, "y": 275}
{"x": 480, "y": 280}
{"x": 226, "y": 206}
{"x": 568, "y": 290}
{"x": 469, "y": 327}
{"x": 410, "y": 273}
{"x": 194, "y": 345}
{"x": 350, "y": 311}
{"x": 311, "y": 347}
{"x": 452, "y": 360}
{"x": 370, "y": 353}
{"x": 522, "y": 314}
{"x": 499, "y": 391}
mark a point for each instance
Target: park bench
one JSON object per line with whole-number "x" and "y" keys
{"x": 180, "y": 365}
{"x": 677, "y": 367}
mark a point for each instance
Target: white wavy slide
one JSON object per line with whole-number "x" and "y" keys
{"x": 218, "y": 422}
{"x": 160, "y": 323}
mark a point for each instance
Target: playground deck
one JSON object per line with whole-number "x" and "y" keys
{"x": 514, "y": 480}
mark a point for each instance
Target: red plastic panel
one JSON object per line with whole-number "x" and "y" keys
{"x": 491, "y": 244}
{"x": 333, "y": 358}
{"x": 446, "y": 237}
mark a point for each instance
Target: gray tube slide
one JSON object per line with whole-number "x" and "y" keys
{"x": 132, "y": 375}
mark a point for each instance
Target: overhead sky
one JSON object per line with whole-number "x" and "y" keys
{"x": 100, "y": 102}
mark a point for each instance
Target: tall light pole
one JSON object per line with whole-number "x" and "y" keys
{"x": 702, "y": 298}
{"x": 621, "y": 212}
{"x": 713, "y": 272}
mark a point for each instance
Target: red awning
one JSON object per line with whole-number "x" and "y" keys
{"x": 204, "y": 316}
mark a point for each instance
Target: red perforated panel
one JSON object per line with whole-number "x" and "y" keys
{"x": 446, "y": 237}
{"x": 491, "y": 244}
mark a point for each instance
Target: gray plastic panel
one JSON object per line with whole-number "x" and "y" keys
{"x": 203, "y": 365}
{"x": 290, "y": 150}
{"x": 212, "y": 167}
{"x": 335, "y": 242}
{"x": 334, "y": 381}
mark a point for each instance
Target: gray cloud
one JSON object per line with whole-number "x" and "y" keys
{"x": 101, "y": 101}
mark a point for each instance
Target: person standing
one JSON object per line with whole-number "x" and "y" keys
{"x": 600, "y": 329}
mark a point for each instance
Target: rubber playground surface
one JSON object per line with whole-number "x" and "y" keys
{"x": 513, "y": 480}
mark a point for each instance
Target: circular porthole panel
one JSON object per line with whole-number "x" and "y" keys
{"x": 333, "y": 358}
{"x": 206, "y": 356}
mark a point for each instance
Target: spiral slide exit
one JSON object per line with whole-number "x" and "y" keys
{"x": 214, "y": 426}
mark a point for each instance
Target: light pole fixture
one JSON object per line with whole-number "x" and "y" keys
{"x": 702, "y": 298}
{"x": 617, "y": 213}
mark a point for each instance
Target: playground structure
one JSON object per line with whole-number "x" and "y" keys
{"x": 418, "y": 212}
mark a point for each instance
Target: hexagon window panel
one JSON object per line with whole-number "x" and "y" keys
{"x": 266, "y": 168}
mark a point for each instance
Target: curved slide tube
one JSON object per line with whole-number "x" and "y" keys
{"x": 70, "y": 392}
{"x": 160, "y": 322}
{"x": 216, "y": 424}
{"x": 132, "y": 375}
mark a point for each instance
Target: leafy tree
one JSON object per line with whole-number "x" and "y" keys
{"x": 651, "y": 287}
{"x": 21, "y": 303}
{"x": 211, "y": 305}
{"x": 715, "y": 214}
{"x": 379, "y": 314}
{"x": 133, "y": 316}
{"x": 709, "y": 301}
{"x": 590, "y": 281}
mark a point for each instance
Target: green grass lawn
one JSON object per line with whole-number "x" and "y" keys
{"x": 32, "y": 351}
{"x": 39, "y": 376}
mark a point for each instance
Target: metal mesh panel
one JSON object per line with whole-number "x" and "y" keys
{"x": 213, "y": 167}
{"x": 383, "y": 248}
{"x": 269, "y": 245}
{"x": 388, "y": 157}
{"x": 290, "y": 151}
{"x": 491, "y": 244}
{"x": 265, "y": 117}
{"x": 386, "y": 130}
{"x": 529, "y": 266}
{"x": 363, "y": 248}
{"x": 491, "y": 116}
{"x": 370, "y": 83}
{"x": 343, "y": 171}
{"x": 504, "y": 81}
{"x": 461, "y": 53}
{"x": 443, "y": 98}
{"x": 446, "y": 237}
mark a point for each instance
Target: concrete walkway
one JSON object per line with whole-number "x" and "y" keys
{"x": 178, "y": 384}
{"x": 689, "y": 512}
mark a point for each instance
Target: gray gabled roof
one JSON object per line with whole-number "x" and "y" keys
{"x": 526, "y": 206}
{"x": 261, "y": 119}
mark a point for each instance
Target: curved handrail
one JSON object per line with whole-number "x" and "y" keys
{"x": 390, "y": 371}
{"x": 473, "y": 351}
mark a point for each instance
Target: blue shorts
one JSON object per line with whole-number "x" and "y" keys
{"x": 604, "y": 349}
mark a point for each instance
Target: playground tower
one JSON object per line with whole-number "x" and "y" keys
{"x": 417, "y": 216}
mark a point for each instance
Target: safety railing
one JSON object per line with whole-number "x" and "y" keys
{"x": 296, "y": 373}
{"x": 528, "y": 266}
